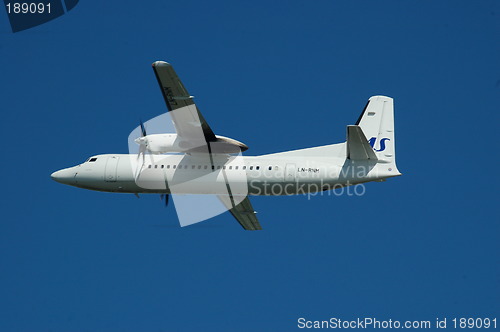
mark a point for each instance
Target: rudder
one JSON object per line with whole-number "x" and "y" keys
{"x": 377, "y": 123}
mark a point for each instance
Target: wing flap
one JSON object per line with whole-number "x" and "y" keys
{"x": 242, "y": 212}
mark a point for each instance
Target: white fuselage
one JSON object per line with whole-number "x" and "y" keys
{"x": 288, "y": 173}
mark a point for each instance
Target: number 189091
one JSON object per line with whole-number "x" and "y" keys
{"x": 28, "y": 8}
{"x": 474, "y": 323}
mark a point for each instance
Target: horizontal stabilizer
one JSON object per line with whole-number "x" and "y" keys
{"x": 358, "y": 147}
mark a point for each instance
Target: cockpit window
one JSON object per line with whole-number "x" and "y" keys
{"x": 91, "y": 160}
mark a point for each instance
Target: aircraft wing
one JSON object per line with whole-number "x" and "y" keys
{"x": 186, "y": 117}
{"x": 243, "y": 212}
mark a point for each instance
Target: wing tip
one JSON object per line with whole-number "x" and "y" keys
{"x": 381, "y": 97}
{"x": 160, "y": 64}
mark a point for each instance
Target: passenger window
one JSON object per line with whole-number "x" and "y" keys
{"x": 162, "y": 166}
{"x": 251, "y": 167}
{"x": 168, "y": 166}
{"x": 156, "y": 166}
{"x": 244, "y": 167}
{"x": 199, "y": 166}
{"x": 235, "y": 167}
{"x": 192, "y": 167}
{"x": 230, "y": 167}
{"x": 149, "y": 166}
{"x": 223, "y": 167}
{"x": 257, "y": 167}
{"x": 205, "y": 167}
{"x": 218, "y": 167}
{"x": 173, "y": 166}
{"x": 270, "y": 167}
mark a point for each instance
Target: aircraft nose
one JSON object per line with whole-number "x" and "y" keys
{"x": 65, "y": 176}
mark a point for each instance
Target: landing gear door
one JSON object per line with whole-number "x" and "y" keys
{"x": 111, "y": 168}
{"x": 290, "y": 173}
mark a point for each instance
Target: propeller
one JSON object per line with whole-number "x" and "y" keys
{"x": 142, "y": 149}
{"x": 142, "y": 153}
{"x": 165, "y": 198}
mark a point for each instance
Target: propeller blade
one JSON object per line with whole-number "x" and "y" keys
{"x": 164, "y": 197}
{"x": 141, "y": 153}
{"x": 142, "y": 150}
{"x": 143, "y": 129}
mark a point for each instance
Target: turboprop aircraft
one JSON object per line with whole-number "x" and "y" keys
{"x": 196, "y": 161}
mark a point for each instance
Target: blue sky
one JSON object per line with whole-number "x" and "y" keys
{"x": 277, "y": 77}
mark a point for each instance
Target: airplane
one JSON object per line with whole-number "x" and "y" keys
{"x": 196, "y": 161}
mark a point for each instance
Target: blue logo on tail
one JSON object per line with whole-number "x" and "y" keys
{"x": 382, "y": 143}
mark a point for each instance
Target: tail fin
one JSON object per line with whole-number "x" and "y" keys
{"x": 377, "y": 123}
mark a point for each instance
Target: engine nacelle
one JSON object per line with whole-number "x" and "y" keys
{"x": 171, "y": 143}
